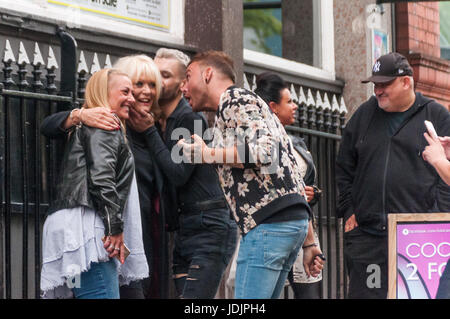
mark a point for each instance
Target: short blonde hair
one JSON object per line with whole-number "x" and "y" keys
{"x": 165, "y": 53}
{"x": 142, "y": 66}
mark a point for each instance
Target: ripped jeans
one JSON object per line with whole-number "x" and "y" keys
{"x": 204, "y": 245}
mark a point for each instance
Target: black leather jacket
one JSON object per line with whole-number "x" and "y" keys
{"x": 97, "y": 171}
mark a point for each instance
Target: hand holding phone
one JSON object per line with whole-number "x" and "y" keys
{"x": 126, "y": 250}
{"x": 431, "y": 130}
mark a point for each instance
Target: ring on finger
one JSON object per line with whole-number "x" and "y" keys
{"x": 116, "y": 248}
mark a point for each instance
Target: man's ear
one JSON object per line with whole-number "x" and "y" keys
{"x": 408, "y": 81}
{"x": 208, "y": 74}
{"x": 182, "y": 83}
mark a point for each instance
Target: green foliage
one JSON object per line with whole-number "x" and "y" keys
{"x": 264, "y": 24}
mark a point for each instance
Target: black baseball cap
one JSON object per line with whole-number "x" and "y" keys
{"x": 388, "y": 67}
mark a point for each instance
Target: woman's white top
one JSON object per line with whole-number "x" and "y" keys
{"x": 72, "y": 241}
{"x": 298, "y": 270}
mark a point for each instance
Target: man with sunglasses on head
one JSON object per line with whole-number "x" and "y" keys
{"x": 380, "y": 170}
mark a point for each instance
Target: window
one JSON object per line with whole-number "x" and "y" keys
{"x": 262, "y": 26}
{"x": 299, "y": 32}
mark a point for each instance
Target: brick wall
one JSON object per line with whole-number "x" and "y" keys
{"x": 417, "y": 37}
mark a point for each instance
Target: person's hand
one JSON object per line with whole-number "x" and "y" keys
{"x": 445, "y": 141}
{"x": 350, "y": 223}
{"x": 312, "y": 263}
{"x": 139, "y": 120}
{"x": 435, "y": 151}
{"x": 193, "y": 152}
{"x": 114, "y": 245}
{"x": 100, "y": 117}
{"x": 309, "y": 191}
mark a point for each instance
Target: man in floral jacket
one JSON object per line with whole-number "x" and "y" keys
{"x": 258, "y": 174}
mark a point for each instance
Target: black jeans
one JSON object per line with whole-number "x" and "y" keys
{"x": 204, "y": 245}
{"x": 366, "y": 257}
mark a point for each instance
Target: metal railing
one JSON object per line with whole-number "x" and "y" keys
{"x": 28, "y": 165}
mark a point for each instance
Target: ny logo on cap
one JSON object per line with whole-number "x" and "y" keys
{"x": 376, "y": 67}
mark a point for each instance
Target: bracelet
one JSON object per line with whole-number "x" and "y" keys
{"x": 79, "y": 117}
{"x": 71, "y": 114}
{"x": 310, "y": 245}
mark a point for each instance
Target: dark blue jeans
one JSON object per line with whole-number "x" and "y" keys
{"x": 204, "y": 245}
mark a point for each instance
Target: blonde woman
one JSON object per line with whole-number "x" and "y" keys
{"x": 146, "y": 86}
{"x": 96, "y": 210}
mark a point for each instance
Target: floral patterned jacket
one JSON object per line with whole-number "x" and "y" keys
{"x": 269, "y": 181}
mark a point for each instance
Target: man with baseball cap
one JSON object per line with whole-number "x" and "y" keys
{"x": 380, "y": 170}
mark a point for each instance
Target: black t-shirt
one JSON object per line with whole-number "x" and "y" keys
{"x": 394, "y": 120}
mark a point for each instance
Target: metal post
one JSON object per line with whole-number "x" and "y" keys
{"x": 68, "y": 85}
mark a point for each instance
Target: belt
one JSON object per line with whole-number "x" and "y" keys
{"x": 202, "y": 206}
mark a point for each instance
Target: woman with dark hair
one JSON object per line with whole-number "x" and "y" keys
{"x": 275, "y": 92}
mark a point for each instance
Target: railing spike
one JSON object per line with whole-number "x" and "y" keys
{"x": 51, "y": 61}
{"x": 343, "y": 107}
{"x": 301, "y": 96}
{"x": 82, "y": 65}
{"x": 334, "y": 104}
{"x": 294, "y": 96}
{"x": 319, "y": 102}
{"x": 9, "y": 54}
{"x": 23, "y": 57}
{"x": 326, "y": 102}
{"x": 37, "y": 56}
{"x": 95, "y": 64}
{"x": 246, "y": 85}
{"x": 310, "y": 100}
{"x": 254, "y": 83}
{"x": 108, "y": 63}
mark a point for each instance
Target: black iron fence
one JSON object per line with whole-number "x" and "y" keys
{"x": 29, "y": 161}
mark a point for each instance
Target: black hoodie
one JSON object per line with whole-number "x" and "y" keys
{"x": 379, "y": 173}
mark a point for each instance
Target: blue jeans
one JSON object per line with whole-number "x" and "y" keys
{"x": 266, "y": 256}
{"x": 101, "y": 281}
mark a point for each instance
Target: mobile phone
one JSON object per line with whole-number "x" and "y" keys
{"x": 430, "y": 129}
{"x": 126, "y": 252}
